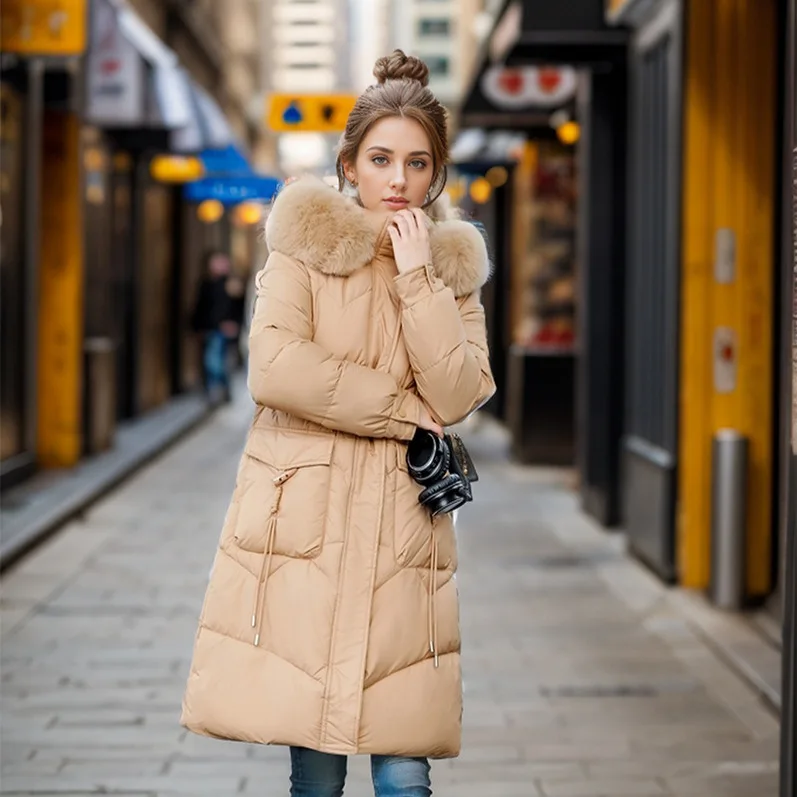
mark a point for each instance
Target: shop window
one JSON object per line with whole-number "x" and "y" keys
{"x": 543, "y": 281}
{"x": 430, "y": 27}
{"x": 439, "y": 65}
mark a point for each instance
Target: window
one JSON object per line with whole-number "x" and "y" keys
{"x": 438, "y": 65}
{"x": 436, "y": 26}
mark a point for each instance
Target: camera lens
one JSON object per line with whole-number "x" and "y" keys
{"x": 427, "y": 457}
{"x": 445, "y": 496}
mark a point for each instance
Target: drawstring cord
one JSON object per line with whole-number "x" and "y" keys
{"x": 258, "y": 608}
{"x": 432, "y": 617}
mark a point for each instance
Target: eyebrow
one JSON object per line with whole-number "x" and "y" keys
{"x": 390, "y": 151}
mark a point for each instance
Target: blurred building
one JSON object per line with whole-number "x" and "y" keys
{"x": 370, "y": 38}
{"x": 445, "y": 34}
{"x": 111, "y": 110}
{"x": 307, "y": 45}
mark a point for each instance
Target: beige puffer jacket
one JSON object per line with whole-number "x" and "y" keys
{"x": 331, "y": 618}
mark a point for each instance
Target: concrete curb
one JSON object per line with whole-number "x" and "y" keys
{"x": 38, "y": 508}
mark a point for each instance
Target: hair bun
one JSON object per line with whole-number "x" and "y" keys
{"x": 398, "y": 66}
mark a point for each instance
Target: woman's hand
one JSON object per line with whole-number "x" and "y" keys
{"x": 427, "y": 422}
{"x": 409, "y": 232}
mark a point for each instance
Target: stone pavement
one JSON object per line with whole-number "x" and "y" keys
{"x": 582, "y": 677}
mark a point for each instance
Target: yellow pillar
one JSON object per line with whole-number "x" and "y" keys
{"x": 60, "y": 370}
{"x": 729, "y": 171}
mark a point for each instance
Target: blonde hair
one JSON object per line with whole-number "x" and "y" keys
{"x": 401, "y": 90}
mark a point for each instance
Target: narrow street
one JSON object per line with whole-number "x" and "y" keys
{"x": 582, "y": 679}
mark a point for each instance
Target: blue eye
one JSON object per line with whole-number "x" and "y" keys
{"x": 379, "y": 160}
{"x": 418, "y": 164}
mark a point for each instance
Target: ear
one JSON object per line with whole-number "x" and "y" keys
{"x": 350, "y": 172}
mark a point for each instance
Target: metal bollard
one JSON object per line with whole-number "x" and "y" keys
{"x": 728, "y": 518}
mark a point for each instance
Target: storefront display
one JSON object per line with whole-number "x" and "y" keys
{"x": 543, "y": 279}
{"x": 541, "y": 361}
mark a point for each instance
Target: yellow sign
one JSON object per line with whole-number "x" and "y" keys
{"x": 315, "y": 113}
{"x": 176, "y": 169}
{"x": 43, "y": 27}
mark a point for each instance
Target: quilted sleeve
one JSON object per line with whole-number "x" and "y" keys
{"x": 291, "y": 373}
{"x": 446, "y": 338}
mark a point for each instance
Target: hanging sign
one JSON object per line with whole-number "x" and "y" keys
{"x": 529, "y": 86}
{"x": 43, "y": 27}
{"x": 115, "y": 73}
{"x": 315, "y": 113}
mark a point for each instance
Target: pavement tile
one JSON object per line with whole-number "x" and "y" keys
{"x": 609, "y": 786}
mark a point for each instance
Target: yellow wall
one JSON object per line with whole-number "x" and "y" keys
{"x": 729, "y": 182}
{"x": 60, "y": 294}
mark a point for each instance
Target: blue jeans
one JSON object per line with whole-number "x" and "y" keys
{"x": 215, "y": 362}
{"x": 315, "y": 774}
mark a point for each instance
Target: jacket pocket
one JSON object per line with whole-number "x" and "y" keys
{"x": 414, "y": 529}
{"x": 285, "y": 478}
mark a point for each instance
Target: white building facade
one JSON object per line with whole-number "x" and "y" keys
{"x": 308, "y": 48}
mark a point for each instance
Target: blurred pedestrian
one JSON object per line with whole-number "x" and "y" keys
{"x": 330, "y": 623}
{"x": 216, "y": 319}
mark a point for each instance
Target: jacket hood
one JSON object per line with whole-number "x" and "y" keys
{"x": 329, "y": 232}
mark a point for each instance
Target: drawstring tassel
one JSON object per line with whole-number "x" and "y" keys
{"x": 434, "y": 602}
{"x": 432, "y": 618}
{"x": 265, "y": 566}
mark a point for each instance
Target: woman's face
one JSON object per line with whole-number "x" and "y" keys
{"x": 394, "y": 167}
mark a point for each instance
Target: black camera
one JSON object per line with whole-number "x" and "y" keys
{"x": 444, "y": 468}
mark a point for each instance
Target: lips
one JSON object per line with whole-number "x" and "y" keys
{"x": 396, "y": 202}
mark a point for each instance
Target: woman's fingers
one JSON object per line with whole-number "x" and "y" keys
{"x": 412, "y": 222}
{"x": 421, "y": 219}
{"x": 402, "y": 223}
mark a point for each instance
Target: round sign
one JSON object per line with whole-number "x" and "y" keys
{"x": 528, "y": 86}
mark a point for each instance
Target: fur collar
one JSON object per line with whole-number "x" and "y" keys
{"x": 331, "y": 233}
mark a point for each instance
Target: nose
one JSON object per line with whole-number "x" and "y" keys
{"x": 399, "y": 179}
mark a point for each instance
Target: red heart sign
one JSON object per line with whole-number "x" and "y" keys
{"x": 511, "y": 81}
{"x": 549, "y": 79}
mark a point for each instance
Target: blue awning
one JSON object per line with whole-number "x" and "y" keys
{"x": 232, "y": 190}
{"x": 230, "y": 179}
{"x": 227, "y": 161}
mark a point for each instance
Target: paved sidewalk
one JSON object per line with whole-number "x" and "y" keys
{"x": 582, "y": 677}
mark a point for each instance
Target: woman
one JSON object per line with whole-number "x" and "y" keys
{"x": 330, "y": 622}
